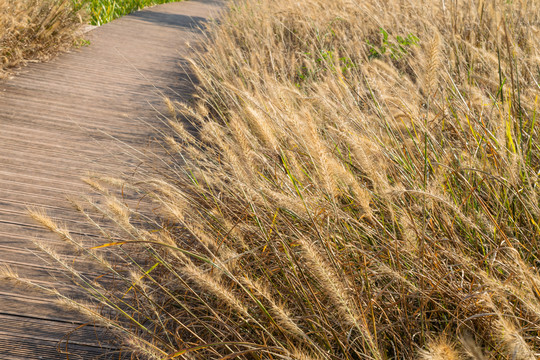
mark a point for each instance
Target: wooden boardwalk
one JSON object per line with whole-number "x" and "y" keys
{"x": 88, "y": 110}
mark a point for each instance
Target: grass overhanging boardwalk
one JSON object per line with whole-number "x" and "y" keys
{"x": 92, "y": 109}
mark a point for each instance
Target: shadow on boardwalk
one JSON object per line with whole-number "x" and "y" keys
{"x": 171, "y": 20}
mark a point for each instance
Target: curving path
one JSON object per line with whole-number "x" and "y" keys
{"x": 89, "y": 110}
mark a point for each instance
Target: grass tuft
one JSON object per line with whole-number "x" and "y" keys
{"x": 33, "y": 30}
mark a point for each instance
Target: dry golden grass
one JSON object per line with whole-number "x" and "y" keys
{"x": 361, "y": 184}
{"x": 32, "y": 30}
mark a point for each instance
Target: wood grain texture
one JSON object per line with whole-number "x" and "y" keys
{"x": 95, "y": 109}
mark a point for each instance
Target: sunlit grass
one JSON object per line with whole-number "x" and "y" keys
{"x": 104, "y": 11}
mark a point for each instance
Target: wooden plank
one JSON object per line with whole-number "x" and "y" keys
{"x": 14, "y": 347}
{"x": 79, "y": 334}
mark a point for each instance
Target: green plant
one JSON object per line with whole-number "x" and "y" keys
{"x": 325, "y": 60}
{"x": 396, "y": 48}
{"x": 81, "y": 42}
{"x": 104, "y": 11}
